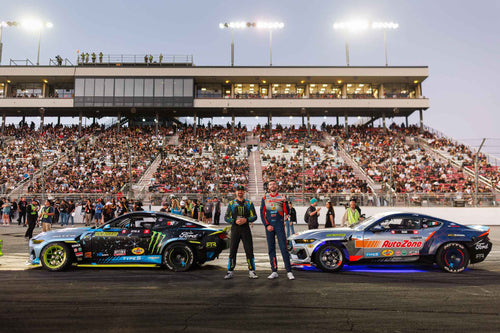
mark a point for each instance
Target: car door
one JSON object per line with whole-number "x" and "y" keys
{"x": 394, "y": 238}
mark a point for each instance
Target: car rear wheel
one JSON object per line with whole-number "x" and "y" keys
{"x": 178, "y": 257}
{"x": 55, "y": 257}
{"x": 452, "y": 257}
{"x": 329, "y": 258}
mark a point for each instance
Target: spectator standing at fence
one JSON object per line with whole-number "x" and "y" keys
{"x": 63, "y": 209}
{"x": 351, "y": 214}
{"x": 46, "y": 216}
{"x": 71, "y": 212}
{"x": 93, "y": 57}
{"x": 150, "y": 58}
{"x": 32, "y": 217}
{"x": 13, "y": 210}
{"x": 175, "y": 208}
{"x": 313, "y": 213}
{"x": 87, "y": 58}
{"x": 21, "y": 207}
{"x": 98, "y": 212}
{"x": 330, "y": 215}
{"x": 146, "y": 59}
{"x": 160, "y": 58}
{"x": 216, "y": 211}
{"x": 82, "y": 56}
{"x": 100, "y": 57}
{"x": 122, "y": 209}
{"x": 6, "y": 212}
{"x": 209, "y": 206}
{"x": 88, "y": 212}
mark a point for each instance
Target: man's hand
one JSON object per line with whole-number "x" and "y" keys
{"x": 319, "y": 208}
{"x": 241, "y": 220}
{"x": 269, "y": 228}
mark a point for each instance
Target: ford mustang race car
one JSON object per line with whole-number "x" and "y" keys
{"x": 134, "y": 239}
{"x": 392, "y": 238}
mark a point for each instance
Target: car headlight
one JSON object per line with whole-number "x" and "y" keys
{"x": 304, "y": 241}
{"x": 37, "y": 241}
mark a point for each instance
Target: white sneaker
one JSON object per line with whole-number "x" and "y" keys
{"x": 229, "y": 275}
{"x": 252, "y": 275}
{"x": 290, "y": 276}
{"x": 274, "y": 275}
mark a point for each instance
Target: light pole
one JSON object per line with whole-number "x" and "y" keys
{"x": 270, "y": 26}
{"x": 36, "y": 25}
{"x": 4, "y": 24}
{"x": 231, "y": 26}
{"x": 356, "y": 26}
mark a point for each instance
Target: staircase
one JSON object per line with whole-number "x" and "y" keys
{"x": 255, "y": 182}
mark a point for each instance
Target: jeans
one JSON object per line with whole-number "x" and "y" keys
{"x": 64, "y": 218}
{"x": 289, "y": 225}
{"x": 71, "y": 218}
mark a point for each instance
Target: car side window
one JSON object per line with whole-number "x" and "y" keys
{"x": 120, "y": 223}
{"x": 164, "y": 222}
{"x": 428, "y": 223}
{"x": 401, "y": 223}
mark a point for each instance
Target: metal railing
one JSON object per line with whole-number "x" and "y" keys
{"x": 136, "y": 59}
{"x": 22, "y": 62}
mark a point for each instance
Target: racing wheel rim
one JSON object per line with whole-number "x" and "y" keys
{"x": 331, "y": 257}
{"x": 454, "y": 258}
{"x": 54, "y": 256}
{"x": 178, "y": 257}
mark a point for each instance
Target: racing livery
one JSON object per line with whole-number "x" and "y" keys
{"x": 134, "y": 239}
{"x": 393, "y": 238}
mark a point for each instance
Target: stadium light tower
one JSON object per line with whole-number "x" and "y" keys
{"x": 357, "y": 26}
{"x": 231, "y": 26}
{"x": 270, "y": 26}
{"x": 36, "y": 25}
{"x": 4, "y": 24}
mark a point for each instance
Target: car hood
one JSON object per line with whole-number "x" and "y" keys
{"x": 323, "y": 233}
{"x": 62, "y": 233}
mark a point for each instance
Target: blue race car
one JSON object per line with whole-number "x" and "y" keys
{"x": 134, "y": 239}
{"x": 393, "y": 238}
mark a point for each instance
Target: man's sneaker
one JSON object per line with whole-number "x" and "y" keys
{"x": 274, "y": 275}
{"x": 290, "y": 276}
{"x": 229, "y": 275}
{"x": 252, "y": 275}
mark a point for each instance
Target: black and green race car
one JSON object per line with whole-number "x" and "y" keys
{"x": 135, "y": 239}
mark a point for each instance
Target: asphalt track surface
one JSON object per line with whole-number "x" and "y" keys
{"x": 361, "y": 299}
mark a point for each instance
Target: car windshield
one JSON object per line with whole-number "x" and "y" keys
{"x": 362, "y": 224}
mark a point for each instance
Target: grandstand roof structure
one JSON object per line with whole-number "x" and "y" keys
{"x": 104, "y": 89}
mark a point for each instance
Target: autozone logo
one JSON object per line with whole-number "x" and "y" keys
{"x": 405, "y": 243}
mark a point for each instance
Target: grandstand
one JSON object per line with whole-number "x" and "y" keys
{"x": 147, "y": 153}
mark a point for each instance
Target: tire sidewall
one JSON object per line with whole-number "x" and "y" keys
{"x": 320, "y": 265}
{"x": 66, "y": 261}
{"x": 440, "y": 258}
{"x": 188, "y": 250}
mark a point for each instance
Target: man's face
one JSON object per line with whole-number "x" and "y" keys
{"x": 273, "y": 187}
{"x": 240, "y": 193}
{"x": 352, "y": 204}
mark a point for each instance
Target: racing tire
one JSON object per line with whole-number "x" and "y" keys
{"x": 55, "y": 257}
{"x": 178, "y": 257}
{"x": 452, "y": 257}
{"x": 329, "y": 258}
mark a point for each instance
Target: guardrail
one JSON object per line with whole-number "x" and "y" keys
{"x": 85, "y": 59}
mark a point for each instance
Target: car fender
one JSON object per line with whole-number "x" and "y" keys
{"x": 338, "y": 242}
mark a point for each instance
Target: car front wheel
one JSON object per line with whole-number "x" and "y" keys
{"x": 452, "y": 258}
{"x": 55, "y": 257}
{"x": 329, "y": 258}
{"x": 178, "y": 257}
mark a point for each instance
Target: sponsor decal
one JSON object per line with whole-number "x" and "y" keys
{"x": 146, "y": 231}
{"x": 155, "y": 242}
{"x": 387, "y": 253}
{"x": 120, "y": 252}
{"x": 404, "y": 243}
{"x": 211, "y": 244}
{"x": 79, "y": 254}
{"x": 372, "y": 254}
{"x": 135, "y": 231}
{"x": 480, "y": 256}
{"x": 404, "y": 253}
{"x": 106, "y": 234}
{"x": 188, "y": 235}
{"x": 124, "y": 231}
{"x": 413, "y": 253}
{"x": 88, "y": 254}
{"x": 456, "y": 235}
{"x": 398, "y": 253}
{"x": 137, "y": 250}
{"x": 481, "y": 246}
{"x": 335, "y": 235}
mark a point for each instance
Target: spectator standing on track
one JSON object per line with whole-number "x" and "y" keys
{"x": 209, "y": 206}
{"x": 290, "y": 230}
{"x": 175, "y": 207}
{"x": 273, "y": 210}
{"x": 63, "y": 209}
{"x": 122, "y": 209}
{"x": 46, "y": 216}
{"x": 32, "y": 217}
{"x": 164, "y": 207}
{"x": 351, "y": 214}
{"x": 13, "y": 210}
{"x": 216, "y": 211}
{"x": 21, "y": 207}
{"x": 6, "y": 212}
{"x": 98, "y": 213}
{"x": 88, "y": 212}
{"x": 330, "y": 215}
{"x": 240, "y": 213}
{"x": 71, "y": 212}
{"x": 313, "y": 214}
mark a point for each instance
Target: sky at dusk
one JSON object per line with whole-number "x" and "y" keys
{"x": 458, "y": 40}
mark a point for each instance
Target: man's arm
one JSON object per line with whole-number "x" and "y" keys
{"x": 263, "y": 212}
{"x": 253, "y": 214}
{"x": 229, "y": 214}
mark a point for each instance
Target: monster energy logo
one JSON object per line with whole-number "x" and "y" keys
{"x": 155, "y": 242}
{"x": 241, "y": 211}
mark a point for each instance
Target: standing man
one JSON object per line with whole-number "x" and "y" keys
{"x": 351, "y": 214}
{"x": 32, "y": 216}
{"x": 209, "y": 206}
{"x": 240, "y": 213}
{"x": 71, "y": 212}
{"x": 100, "y": 57}
{"x": 216, "y": 211}
{"x": 46, "y": 216}
{"x": 22, "y": 206}
{"x": 273, "y": 211}
{"x": 313, "y": 214}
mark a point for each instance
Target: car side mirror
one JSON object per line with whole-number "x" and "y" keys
{"x": 377, "y": 228}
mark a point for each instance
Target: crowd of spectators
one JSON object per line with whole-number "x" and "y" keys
{"x": 210, "y": 159}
